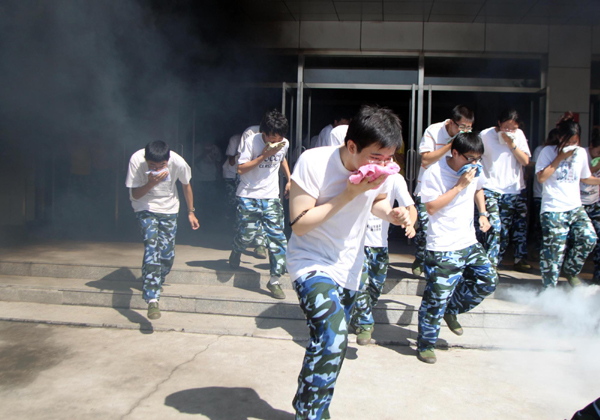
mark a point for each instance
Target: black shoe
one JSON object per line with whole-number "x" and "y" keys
{"x": 234, "y": 259}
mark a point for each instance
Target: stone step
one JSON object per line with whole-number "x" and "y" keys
{"x": 400, "y": 280}
{"x": 265, "y": 328}
{"x": 235, "y": 301}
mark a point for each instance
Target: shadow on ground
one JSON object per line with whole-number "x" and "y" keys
{"x": 122, "y": 283}
{"x": 221, "y": 403}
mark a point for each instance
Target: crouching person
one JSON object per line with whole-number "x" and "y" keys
{"x": 458, "y": 272}
{"x": 151, "y": 179}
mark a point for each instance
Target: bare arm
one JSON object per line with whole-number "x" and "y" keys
{"x": 429, "y": 158}
{"x": 484, "y": 223}
{"x": 153, "y": 181}
{"x": 288, "y": 175}
{"x": 315, "y": 216}
{"x": 248, "y": 166}
{"x": 443, "y": 200}
{"x": 520, "y": 155}
{"x": 547, "y": 172}
{"x": 189, "y": 201}
{"x": 232, "y": 160}
{"x": 591, "y": 181}
{"x": 400, "y": 216}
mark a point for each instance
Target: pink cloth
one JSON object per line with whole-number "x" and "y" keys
{"x": 373, "y": 171}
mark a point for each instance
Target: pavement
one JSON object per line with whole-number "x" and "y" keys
{"x": 60, "y": 372}
{"x": 63, "y": 357}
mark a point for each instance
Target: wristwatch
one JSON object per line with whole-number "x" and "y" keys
{"x": 193, "y": 209}
{"x": 484, "y": 213}
{"x": 515, "y": 147}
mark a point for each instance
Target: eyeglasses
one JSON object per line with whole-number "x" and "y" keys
{"x": 471, "y": 159}
{"x": 380, "y": 161}
{"x": 463, "y": 128}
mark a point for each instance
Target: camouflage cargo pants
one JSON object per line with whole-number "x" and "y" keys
{"x": 327, "y": 307}
{"x": 376, "y": 265}
{"x": 593, "y": 212}
{"x": 505, "y": 210}
{"x": 159, "y": 232}
{"x": 421, "y": 236}
{"x": 537, "y": 227}
{"x": 255, "y": 215}
{"x": 457, "y": 281}
{"x": 231, "y": 185}
{"x": 557, "y": 227}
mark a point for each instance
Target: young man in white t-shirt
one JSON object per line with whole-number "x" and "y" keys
{"x": 259, "y": 207}
{"x": 377, "y": 260}
{"x": 325, "y": 255}
{"x": 458, "y": 272}
{"x": 324, "y": 135}
{"x": 506, "y": 156}
{"x": 435, "y": 144}
{"x": 590, "y": 196}
{"x": 151, "y": 178}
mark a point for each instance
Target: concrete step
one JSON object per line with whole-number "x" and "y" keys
{"x": 267, "y": 328}
{"x": 393, "y": 309}
{"x": 251, "y": 275}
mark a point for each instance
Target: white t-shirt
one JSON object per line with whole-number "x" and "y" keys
{"x": 377, "y": 229}
{"x": 336, "y": 246}
{"x": 435, "y": 137}
{"x": 561, "y": 190}
{"x": 250, "y": 131}
{"x": 589, "y": 193}
{"x": 537, "y": 187}
{"x": 163, "y": 198}
{"x": 337, "y": 136}
{"x": 229, "y": 171}
{"x": 451, "y": 228}
{"x": 504, "y": 173}
{"x": 324, "y": 136}
{"x": 263, "y": 180}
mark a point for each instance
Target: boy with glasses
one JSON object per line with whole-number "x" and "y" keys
{"x": 458, "y": 272}
{"x": 435, "y": 144}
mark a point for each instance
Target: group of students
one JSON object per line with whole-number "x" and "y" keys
{"x": 337, "y": 254}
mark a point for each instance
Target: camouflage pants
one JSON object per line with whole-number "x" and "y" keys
{"x": 506, "y": 211}
{"x": 159, "y": 232}
{"x": 557, "y": 227}
{"x": 421, "y": 236}
{"x": 266, "y": 215}
{"x": 537, "y": 227}
{"x": 593, "y": 212}
{"x": 327, "y": 307}
{"x": 457, "y": 281}
{"x": 376, "y": 265}
{"x": 230, "y": 202}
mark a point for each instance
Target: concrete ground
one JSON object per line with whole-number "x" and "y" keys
{"x": 60, "y": 372}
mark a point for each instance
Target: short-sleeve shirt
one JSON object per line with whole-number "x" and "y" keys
{"x": 561, "y": 189}
{"x": 163, "y": 198}
{"x": 377, "y": 229}
{"x": 229, "y": 171}
{"x": 262, "y": 182}
{"x": 337, "y": 136}
{"x": 537, "y": 187}
{"x": 589, "y": 193}
{"x": 323, "y": 138}
{"x": 450, "y": 228}
{"x": 504, "y": 173}
{"x": 435, "y": 137}
{"x": 336, "y": 246}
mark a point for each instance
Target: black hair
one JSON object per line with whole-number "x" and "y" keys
{"x": 509, "y": 114}
{"x": 157, "y": 151}
{"x": 595, "y": 141}
{"x": 374, "y": 124}
{"x": 468, "y": 143}
{"x": 567, "y": 128}
{"x": 274, "y": 122}
{"x": 342, "y": 116}
{"x": 460, "y": 111}
{"x": 552, "y": 139}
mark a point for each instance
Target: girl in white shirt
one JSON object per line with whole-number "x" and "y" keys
{"x": 506, "y": 156}
{"x": 590, "y": 196}
{"x": 560, "y": 168}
